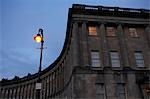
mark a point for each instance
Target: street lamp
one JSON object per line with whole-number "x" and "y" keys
{"x": 39, "y": 38}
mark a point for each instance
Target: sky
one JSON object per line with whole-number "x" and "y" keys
{"x": 20, "y": 21}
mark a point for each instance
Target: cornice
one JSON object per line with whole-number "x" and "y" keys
{"x": 110, "y": 11}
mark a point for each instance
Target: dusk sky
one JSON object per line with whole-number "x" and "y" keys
{"x": 20, "y": 21}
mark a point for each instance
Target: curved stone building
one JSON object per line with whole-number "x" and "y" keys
{"x": 106, "y": 55}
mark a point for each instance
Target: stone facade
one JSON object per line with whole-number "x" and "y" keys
{"x": 73, "y": 75}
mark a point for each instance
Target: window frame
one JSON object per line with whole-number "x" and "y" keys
{"x": 139, "y": 58}
{"x": 133, "y": 32}
{"x": 92, "y": 30}
{"x": 95, "y": 59}
{"x": 111, "y": 32}
{"x": 100, "y": 90}
{"x": 121, "y": 90}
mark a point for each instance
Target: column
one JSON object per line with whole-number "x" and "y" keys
{"x": 21, "y": 92}
{"x": 2, "y": 93}
{"x": 75, "y": 44}
{"x": 50, "y": 85}
{"x": 6, "y": 95}
{"x": 25, "y": 91}
{"x": 123, "y": 46}
{"x": 110, "y": 84}
{"x": 47, "y": 86}
{"x": 12, "y": 96}
{"x": 133, "y": 91}
{"x": 12, "y": 90}
{"x": 84, "y": 45}
{"x": 10, "y": 93}
{"x": 57, "y": 75}
{"x": 105, "y": 51}
{"x": 147, "y": 32}
{"x": 43, "y": 88}
{"x": 147, "y": 38}
{"x": 29, "y": 91}
{"x": 34, "y": 90}
{"x": 15, "y": 92}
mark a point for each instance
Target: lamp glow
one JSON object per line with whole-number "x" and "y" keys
{"x": 38, "y": 38}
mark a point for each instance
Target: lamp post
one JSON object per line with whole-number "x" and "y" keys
{"x": 39, "y": 38}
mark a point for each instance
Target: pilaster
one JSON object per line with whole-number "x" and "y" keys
{"x": 123, "y": 46}
{"x": 104, "y": 46}
{"x": 133, "y": 91}
{"x": 84, "y": 45}
{"x": 109, "y": 84}
{"x": 75, "y": 44}
{"x": 147, "y": 32}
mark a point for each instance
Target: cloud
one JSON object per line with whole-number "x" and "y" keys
{"x": 13, "y": 63}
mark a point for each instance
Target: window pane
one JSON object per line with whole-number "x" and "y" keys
{"x": 121, "y": 96}
{"x": 115, "y": 65}
{"x": 139, "y": 59}
{"x": 95, "y": 63}
{"x": 114, "y": 55}
{"x": 100, "y": 96}
{"x": 111, "y": 31}
{"x": 92, "y": 30}
{"x": 100, "y": 91}
{"x": 95, "y": 59}
{"x": 138, "y": 55}
{"x": 133, "y": 32}
{"x": 95, "y": 55}
{"x": 115, "y": 61}
{"x": 121, "y": 91}
{"x": 140, "y": 63}
{"x": 120, "y": 88}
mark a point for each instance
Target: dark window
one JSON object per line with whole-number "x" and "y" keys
{"x": 111, "y": 31}
{"x": 100, "y": 91}
{"x": 121, "y": 91}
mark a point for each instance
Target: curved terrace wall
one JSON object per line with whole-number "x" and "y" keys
{"x": 54, "y": 78}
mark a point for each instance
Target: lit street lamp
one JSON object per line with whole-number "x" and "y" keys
{"x": 40, "y": 39}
